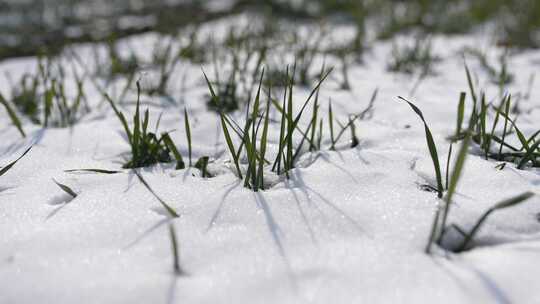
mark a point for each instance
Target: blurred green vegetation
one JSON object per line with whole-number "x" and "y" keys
{"x": 36, "y": 26}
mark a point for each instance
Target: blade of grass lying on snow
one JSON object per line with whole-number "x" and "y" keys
{"x": 169, "y": 209}
{"x": 431, "y": 146}
{"x": 501, "y": 205}
{"x": 101, "y": 171}
{"x": 66, "y": 189}
{"x": 10, "y": 165}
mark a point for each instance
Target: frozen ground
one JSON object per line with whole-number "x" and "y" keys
{"x": 348, "y": 227}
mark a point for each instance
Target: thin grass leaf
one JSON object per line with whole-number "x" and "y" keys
{"x": 494, "y": 126}
{"x": 172, "y": 147}
{"x": 263, "y": 144}
{"x": 456, "y": 174}
{"x": 168, "y": 208}
{"x": 431, "y": 146}
{"x": 433, "y": 233}
{"x": 121, "y": 117}
{"x": 101, "y": 171}
{"x": 448, "y": 164}
{"x": 507, "y": 112}
{"x": 331, "y": 123}
{"x": 188, "y": 133}
{"x": 5, "y": 169}
{"x": 461, "y": 112}
{"x": 12, "y": 115}
{"x": 470, "y": 82}
{"x": 226, "y": 133}
{"x": 66, "y": 189}
{"x": 501, "y": 205}
{"x": 175, "y": 250}
{"x": 279, "y": 158}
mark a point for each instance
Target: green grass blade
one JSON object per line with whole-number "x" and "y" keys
{"x": 454, "y": 178}
{"x": 331, "y": 123}
{"x": 12, "y": 115}
{"x": 172, "y": 147}
{"x": 431, "y": 146}
{"x": 263, "y": 144}
{"x": 188, "y": 133}
{"x": 230, "y": 145}
{"x": 121, "y": 117}
{"x": 470, "y": 82}
{"x": 101, "y": 171}
{"x": 501, "y": 205}
{"x": 461, "y": 112}
{"x": 66, "y": 189}
{"x": 5, "y": 169}
{"x": 168, "y": 208}
{"x": 175, "y": 250}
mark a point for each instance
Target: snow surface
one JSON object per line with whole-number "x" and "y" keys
{"x": 348, "y": 227}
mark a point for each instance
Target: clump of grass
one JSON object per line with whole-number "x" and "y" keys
{"x": 146, "y": 147}
{"x": 253, "y": 141}
{"x": 60, "y": 109}
{"x": 440, "y": 227}
{"x": 119, "y": 65}
{"x": 499, "y": 75}
{"x": 25, "y": 96}
{"x": 289, "y": 125}
{"x": 493, "y": 144}
{"x": 43, "y": 99}
{"x": 202, "y": 164}
{"x": 477, "y": 123}
{"x": 165, "y": 60}
{"x": 194, "y": 51}
{"x": 417, "y": 58}
{"x": 226, "y": 98}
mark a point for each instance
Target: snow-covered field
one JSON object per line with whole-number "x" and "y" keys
{"x": 349, "y": 226}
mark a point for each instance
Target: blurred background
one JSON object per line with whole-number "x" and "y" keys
{"x": 30, "y": 27}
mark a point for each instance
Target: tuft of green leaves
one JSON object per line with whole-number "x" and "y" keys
{"x": 146, "y": 148}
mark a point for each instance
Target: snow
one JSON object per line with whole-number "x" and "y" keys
{"x": 350, "y": 226}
